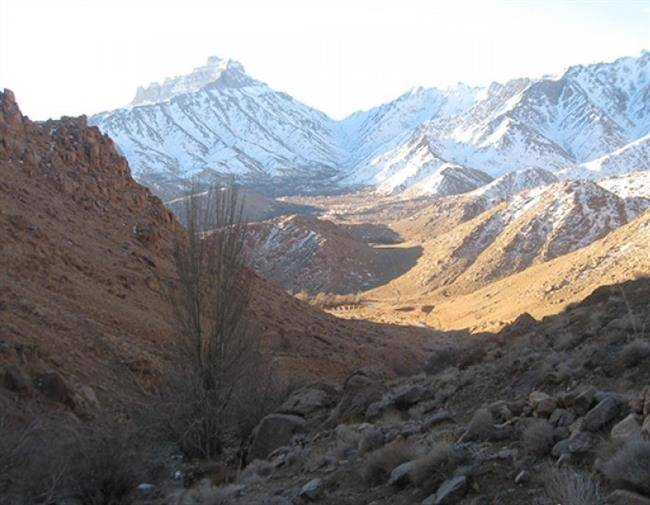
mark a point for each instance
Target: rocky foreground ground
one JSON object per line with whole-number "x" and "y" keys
{"x": 548, "y": 412}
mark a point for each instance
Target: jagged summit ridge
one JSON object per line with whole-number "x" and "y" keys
{"x": 216, "y": 72}
{"x": 591, "y": 121}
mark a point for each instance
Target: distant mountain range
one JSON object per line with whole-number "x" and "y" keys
{"x": 591, "y": 121}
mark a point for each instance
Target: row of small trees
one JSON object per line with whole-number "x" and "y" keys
{"x": 224, "y": 382}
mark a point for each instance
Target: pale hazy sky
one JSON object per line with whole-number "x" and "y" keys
{"x": 82, "y": 56}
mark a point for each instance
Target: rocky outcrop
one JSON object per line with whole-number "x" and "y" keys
{"x": 274, "y": 431}
{"x": 493, "y": 436}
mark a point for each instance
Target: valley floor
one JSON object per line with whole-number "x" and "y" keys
{"x": 465, "y": 276}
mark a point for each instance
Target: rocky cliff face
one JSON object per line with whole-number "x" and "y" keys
{"x": 82, "y": 244}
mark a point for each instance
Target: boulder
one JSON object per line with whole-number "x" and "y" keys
{"x": 450, "y": 491}
{"x": 627, "y": 429}
{"x": 52, "y": 385}
{"x": 86, "y": 399}
{"x": 355, "y": 401}
{"x": 376, "y": 409}
{"x": 407, "y": 396}
{"x": 522, "y": 477}
{"x": 423, "y": 408}
{"x": 581, "y": 401}
{"x": 439, "y": 417}
{"x": 401, "y": 475}
{"x": 398, "y": 401}
{"x": 274, "y": 431}
{"x": 580, "y": 442}
{"x": 543, "y": 405}
{"x": 646, "y": 400}
{"x": 645, "y": 428}
{"x": 15, "y": 380}
{"x": 500, "y": 410}
{"x": 277, "y": 500}
{"x": 517, "y": 407}
{"x": 306, "y": 401}
{"x": 605, "y": 411}
{"x": 623, "y": 497}
{"x": 145, "y": 487}
{"x": 562, "y": 417}
{"x": 312, "y": 490}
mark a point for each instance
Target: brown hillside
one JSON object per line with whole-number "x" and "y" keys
{"x": 82, "y": 246}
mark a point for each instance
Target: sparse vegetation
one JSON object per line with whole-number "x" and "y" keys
{"x": 635, "y": 353}
{"x": 537, "y": 438}
{"x": 567, "y": 486}
{"x": 481, "y": 426}
{"x": 329, "y": 300}
{"x": 381, "y": 462}
{"x": 436, "y": 466}
{"x": 96, "y": 464}
{"x": 222, "y": 382}
{"x": 568, "y": 340}
{"x": 441, "y": 359}
{"x": 629, "y": 468}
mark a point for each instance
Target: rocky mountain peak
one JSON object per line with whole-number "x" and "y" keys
{"x": 590, "y": 120}
{"x": 217, "y": 72}
{"x": 9, "y": 111}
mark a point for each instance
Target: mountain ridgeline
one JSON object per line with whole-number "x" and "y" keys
{"x": 589, "y": 122}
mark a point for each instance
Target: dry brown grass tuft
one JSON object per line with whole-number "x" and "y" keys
{"x": 569, "y": 340}
{"x": 635, "y": 353}
{"x": 629, "y": 468}
{"x": 441, "y": 359}
{"x": 381, "y": 462}
{"x": 436, "y": 466}
{"x": 98, "y": 464}
{"x": 481, "y": 426}
{"x": 567, "y": 486}
{"x": 537, "y": 438}
{"x": 333, "y": 300}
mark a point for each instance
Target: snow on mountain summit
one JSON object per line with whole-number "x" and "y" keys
{"x": 591, "y": 121}
{"x": 225, "y": 72}
{"x": 504, "y": 187}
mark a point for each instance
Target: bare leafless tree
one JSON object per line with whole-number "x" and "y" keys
{"x": 218, "y": 353}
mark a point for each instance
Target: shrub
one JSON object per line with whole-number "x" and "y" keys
{"x": 371, "y": 439}
{"x": 15, "y": 445}
{"x": 96, "y": 464}
{"x": 635, "y": 353}
{"x": 219, "y": 388}
{"x": 537, "y": 438}
{"x": 569, "y": 340}
{"x": 333, "y": 300}
{"x": 436, "y": 466}
{"x": 381, "y": 462}
{"x": 570, "y": 487}
{"x": 441, "y": 359}
{"x": 347, "y": 439}
{"x": 629, "y": 468}
{"x": 481, "y": 426}
{"x": 106, "y": 467}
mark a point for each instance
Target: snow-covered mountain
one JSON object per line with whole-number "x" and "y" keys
{"x": 532, "y": 227}
{"x": 218, "y": 120}
{"x": 502, "y": 188}
{"x": 591, "y": 121}
{"x": 634, "y": 185}
{"x": 450, "y": 179}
